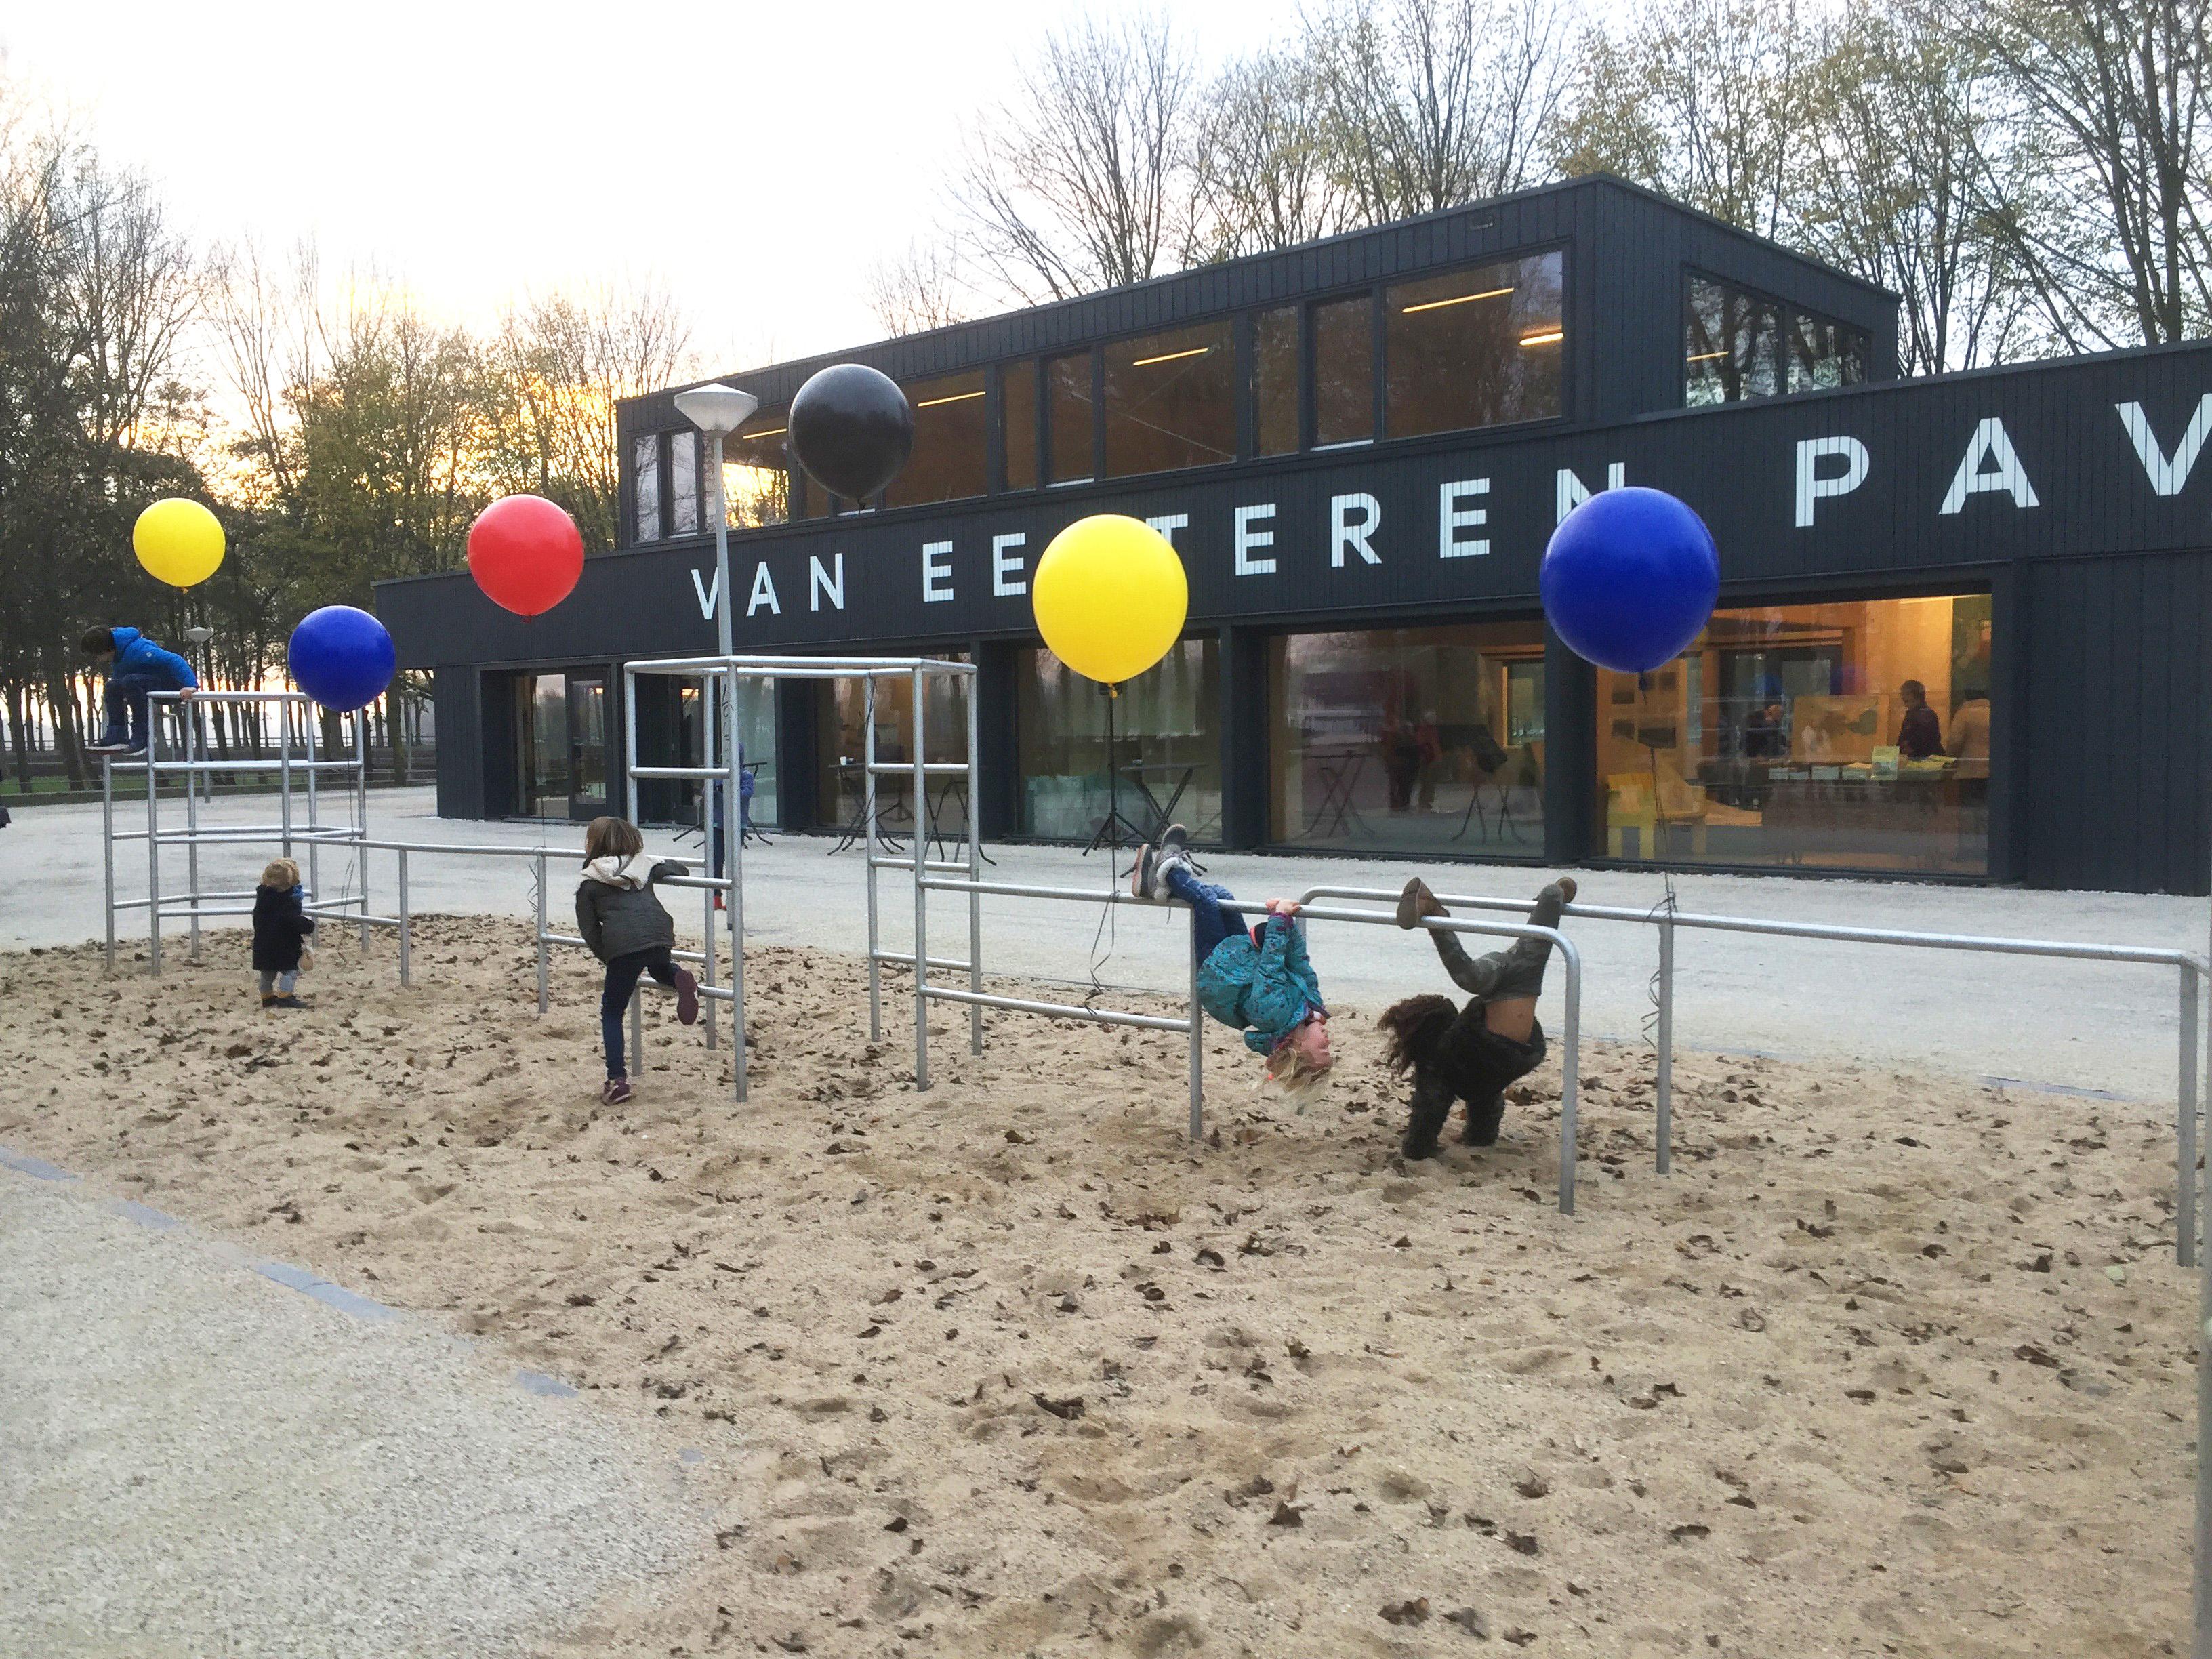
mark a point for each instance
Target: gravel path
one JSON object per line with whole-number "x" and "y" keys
{"x": 196, "y": 1460}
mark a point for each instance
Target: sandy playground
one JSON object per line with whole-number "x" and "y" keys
{"x": 1888, "y": 1365}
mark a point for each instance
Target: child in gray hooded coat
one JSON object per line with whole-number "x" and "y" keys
{"x": 626, "y": 928}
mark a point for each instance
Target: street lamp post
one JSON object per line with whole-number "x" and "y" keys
{"x": 718, "y": 410}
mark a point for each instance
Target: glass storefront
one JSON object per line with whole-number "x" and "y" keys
{"x": 841, "y": 749}
{"x": 1409, "y": 739}
{"x": 1849, "y": 735}
{"x": 542, "y": 758}
{"x": 1165, "y": 763}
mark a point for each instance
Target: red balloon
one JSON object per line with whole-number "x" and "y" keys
{"x": 526, "y": 553}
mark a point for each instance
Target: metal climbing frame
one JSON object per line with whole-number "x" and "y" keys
{"x": 297, "y": 757}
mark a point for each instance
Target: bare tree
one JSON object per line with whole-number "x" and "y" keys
{"x": 1901, "y": 119}
{"x": 2111, "y": 94}
{"x": 1266, "y": 175}
{"x": 922, "y": 289}
{"x": 1703, "y": 100}
{"x": 1431, "y": 103}
{"x": 1081, "y": 180}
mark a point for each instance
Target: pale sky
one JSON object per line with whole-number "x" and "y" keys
{"x": 755, "y": 156}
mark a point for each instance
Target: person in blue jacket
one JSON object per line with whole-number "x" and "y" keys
{"x": 1259, "y": 982}
{"x": 136, "y": 666}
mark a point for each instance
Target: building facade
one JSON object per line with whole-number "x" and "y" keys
{"x": 1960, "y": 633}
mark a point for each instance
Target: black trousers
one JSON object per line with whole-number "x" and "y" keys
{"x": 1475, "y": 1063}
{"x": 622, "y": 975}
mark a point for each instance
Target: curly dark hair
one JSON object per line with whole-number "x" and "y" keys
{"x": 1414, "y": 1027}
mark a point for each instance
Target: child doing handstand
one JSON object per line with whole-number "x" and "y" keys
{"x": 627, "y": 929}
{"x": 1259, "y": 982}
{"x": 1470, "y": 1054}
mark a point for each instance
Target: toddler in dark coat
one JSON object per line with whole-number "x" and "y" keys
{"x": 281, "y": 927}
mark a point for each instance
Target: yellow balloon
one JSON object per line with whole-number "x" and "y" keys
{"x": 1110, "y": 597}
{"x": 178, "y": 541}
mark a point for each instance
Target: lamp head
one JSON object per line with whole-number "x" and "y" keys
{"x": 716, "y": 410}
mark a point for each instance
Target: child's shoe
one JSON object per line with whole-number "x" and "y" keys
{"x": 268, "y": 998}
{"x": 1173, "y": 854}
{"x": 614, "y": 1091}
{"x": 687, "y": 998}
{"x": 285, "y": 1001}
{"x": 1416, "y": 902}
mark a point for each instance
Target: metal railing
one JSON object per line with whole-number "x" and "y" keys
{"x": 2193, "y": 970}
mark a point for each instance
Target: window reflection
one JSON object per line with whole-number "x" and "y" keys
{"x": 1850, "y": 735}
{"x": 1166, "y": 760}
{"x": 1017, "y": 422}
{"x": 1474, "y": 348}
{"x": 1170, "y": 401}
{"x": 757, "y": 473}
{"x": 645, "y": 472}
{"x": 841, "y": 747}
{"x": 1068, "y": 411}
{"x": 1275, "y": 380}
{"x": 950, "y": 457}
{"x": 1738, "y": 345}
{"x": 1824, "y": 353}
{"x": 1344, "y": 371}
{"x": 683, "y": 483}
{"x": 1411, "y": 740}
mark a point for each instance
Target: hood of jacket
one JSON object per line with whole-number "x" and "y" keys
{"x": 634, "y": 872}
{"x": 124, "y": 638}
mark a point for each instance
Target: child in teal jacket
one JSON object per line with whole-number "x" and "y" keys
{"x": 1259, "y": 982}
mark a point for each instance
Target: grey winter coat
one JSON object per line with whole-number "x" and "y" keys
{"x": 616, "y": 910}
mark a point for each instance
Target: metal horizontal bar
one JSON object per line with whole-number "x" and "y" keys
{"x": 718, "y": 994}
{"x": 697, "y": 774}
{"x": 1987, "y": 943}
{"x": 1016, "y": 890}
{"x": 939, "y": 865}
{"x": 185, "y": 911}
{"x": 715, "y": 883}
{"x": 929, "y": 769}
{"x": 1057, "y": 1009}
{"x": 564, "y": 938}
{"x": 200, "y": 696}
{"x": 905, "y": 959}
{"x": 841, "y": 668}
{"x": 164, "y": 767}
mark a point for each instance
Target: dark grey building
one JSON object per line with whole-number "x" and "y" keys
{"x": 1961, "y": 631}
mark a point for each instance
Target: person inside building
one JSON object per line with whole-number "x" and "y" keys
{"x": 1968, "y": 738}
{"x": 135, "y": 667}
{"x": 1765, "y": 736}
{"x": 1920, "y": 733}
{"x": 1473, "y": 1053}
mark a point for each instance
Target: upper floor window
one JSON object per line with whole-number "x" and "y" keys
{"x": 683, "y": 483}
{"x": 1068, "y": 408}
{"x": 1170, "y": 401}
{"x": 1344, "y": 371}
{"x": 645, "y": 474}
{"x": 757, "y": 473}
{"x": 952, "y": 444}
{"x": 1275, "y": 380}
{"x": 1739, "y": 345}
{"x": 1017, "y": 422}
{"x": 1473, "y": 348}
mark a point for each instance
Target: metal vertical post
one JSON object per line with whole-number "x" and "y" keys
{"x": 308, "y": 724}
{"x": 720, "y": 508}
{"x": 868, "y": 850}
{"x": 1569, "y": 1075}
{"x": 971, "y": 683}
{"x": 1663, "y": 1128}
{"x": 733, "y": 812}
{"x": 921, "y": 849}
{"x": 1197, "y": 1042}
{"x": 108, "y": 848}
{"x": 153, "y": 848}
{"x": 190, "y": 721}
{"x": 707, "y": 978}
{"x": 2201, "y": 1645}
{"x": 544, "y": 986}
{"x": 361, "y": 812}
{"x": 2184, "y": 1211}
{"x": 406, "y": 939}
{"x": 629, "y": 743}
{"x": 284, "y": 773}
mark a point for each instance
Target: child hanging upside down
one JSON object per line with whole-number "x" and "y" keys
{"x": 1259, "y": 982}
{"x": 1470, "y": 1054}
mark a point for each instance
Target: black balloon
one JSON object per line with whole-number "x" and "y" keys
{"x": 852, "y": 430}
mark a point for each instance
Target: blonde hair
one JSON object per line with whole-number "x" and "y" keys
{"x": 281, "y": 874}
{"x": 612, "y": 837}
{"x": 1288, "y": 1067}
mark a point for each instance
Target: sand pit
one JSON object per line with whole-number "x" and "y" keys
{"x": 1889, "y": 1366}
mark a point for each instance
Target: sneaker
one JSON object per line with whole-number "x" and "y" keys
{"x": 614, "y": 1091}
{"x": 1172, "y": 853}
{"x": 284, "y": 1002}
{"x": 720, "y": 904}
{"x": 1416, "y": 902}
{"x": 1140, "y": 872}
{"x": 269, "y": 999}
{"x": 119, "y": 750}
{"x": 687, "y": 998}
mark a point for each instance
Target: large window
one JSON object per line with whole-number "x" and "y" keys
{"x": 644, "y": 475}
{"x": 841, "y": 748}
{"x": 1344, "y": 371}
{"x": 757, "y": 473}
{"x": 1165, "y": 762}
{"x": 1850, "y": 735}
{"x": 542, "y": 758}
{"x": 1068, "y": 424}
{"x": 1018, "y": 393}
{"x": 1170, "y": 401}
{"x": 683, "y": 483}
{"x": 1738, "y": 345}
{"x": 1410, "y": 740}
{"x": 1275, "y": 380}
{"x": 951, "y": 447}
{"x": 1474, "y": 348}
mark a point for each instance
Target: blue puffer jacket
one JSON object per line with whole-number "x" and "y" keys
{"x": 136, "y": 655}
{"x": 1266, "y": 991}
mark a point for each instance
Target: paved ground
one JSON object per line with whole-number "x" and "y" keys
{"x": 2079, "y": 1026}
{"x": 196, "y": 1459}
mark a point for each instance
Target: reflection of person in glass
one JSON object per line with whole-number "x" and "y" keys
{"x": 1765, "y": 736}
{"x": 1968, "y": 738}
{"x": 1920, "y": 733}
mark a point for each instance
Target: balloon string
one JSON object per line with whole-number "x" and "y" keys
{"x": 1109, "y": 924}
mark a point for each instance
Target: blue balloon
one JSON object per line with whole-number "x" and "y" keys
{"x": 341, "y": 657}
{"x": 1630, "y": 579}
